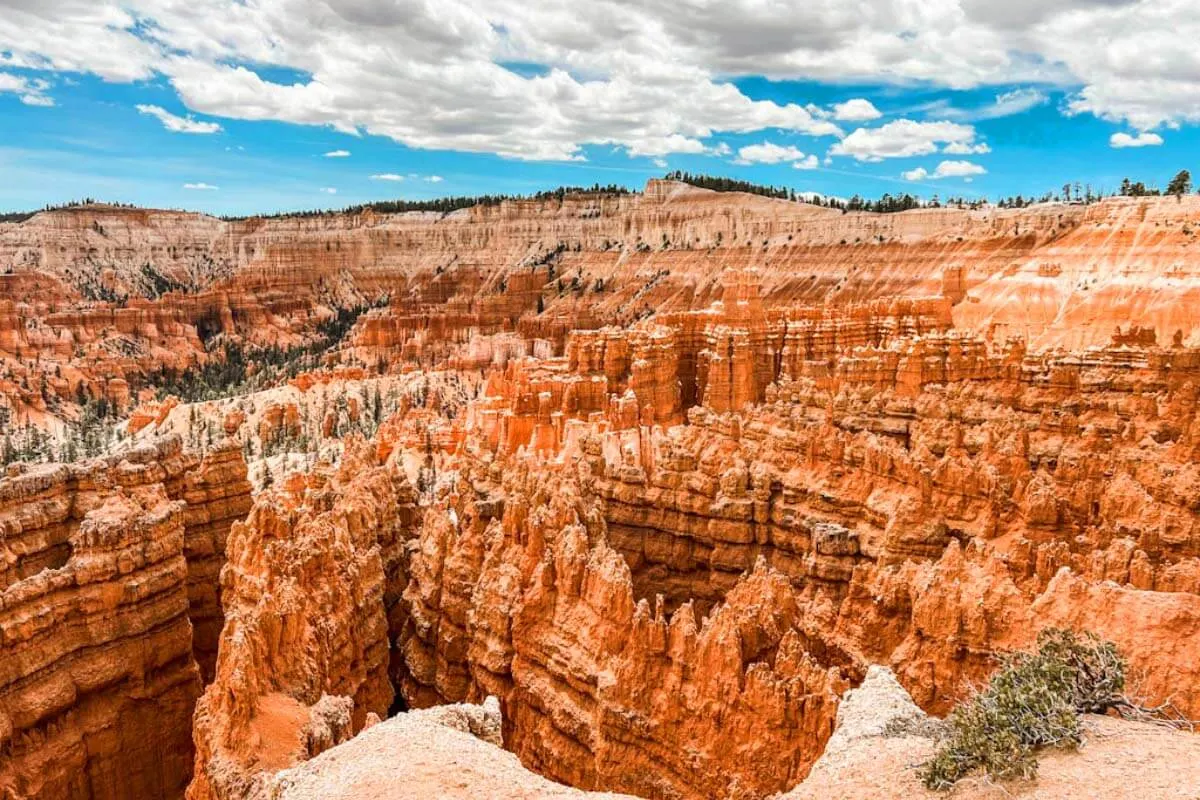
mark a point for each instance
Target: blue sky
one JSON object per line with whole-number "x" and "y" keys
{"x": 193, "y": 117}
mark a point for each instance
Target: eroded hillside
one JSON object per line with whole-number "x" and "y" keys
{"x": 665, "y": 474}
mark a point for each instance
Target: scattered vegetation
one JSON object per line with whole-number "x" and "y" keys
{"x": 21, "y": 216}
{"x": 1078, "y": 193}
{"x": 1033, "y": 701}
{"x": 158, "y": 284}
{"x": 720, "y": 184}
{"x": 93, "y": 432}
{"x": 445, "y": 205}
{"x": 236, "y": 369}
{"x": 1181, "y": 184}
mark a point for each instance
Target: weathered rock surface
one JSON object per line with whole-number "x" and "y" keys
{"x": 312, "y": 576}
{"x": 668, "y": 472}
{"x": 419, "y": 755}
{"x": 107, "y": 295}
{"x": 97, "y": 675}
{"x": 928, "y": 501}
{"x": 516, "y": 593}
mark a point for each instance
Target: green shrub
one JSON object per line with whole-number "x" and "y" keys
{"x": 1033, "y": 701}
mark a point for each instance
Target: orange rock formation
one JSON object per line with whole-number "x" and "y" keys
{"x": 668, "y": 474}
{"x": 103, "y": 563}
{"x": 310, "y": 593}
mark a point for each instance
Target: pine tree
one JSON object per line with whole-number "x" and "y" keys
{"x": 1181, "y": 184}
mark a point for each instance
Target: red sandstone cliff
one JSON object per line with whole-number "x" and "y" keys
{"x": 1052, "y": 274}
{"x": 97, "y": 675}
{"x": 312, "y": 576}
{"x": 676, "y": 468}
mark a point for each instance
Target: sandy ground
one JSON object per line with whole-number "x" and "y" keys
{"x": 414, "y": 757}
{"x": 1119, "y": 759}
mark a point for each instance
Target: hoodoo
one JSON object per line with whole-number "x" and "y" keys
{"x": 655, "y": 494}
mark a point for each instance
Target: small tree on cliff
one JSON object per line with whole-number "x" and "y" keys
{"x": 1034, "y": 701}
{"x": 1181, "y": 184}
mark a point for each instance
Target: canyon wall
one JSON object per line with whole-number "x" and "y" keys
{"x": 94, "y": 299}
{"x": 310, "y": 594}
{"x": 516, "y": 593}
{"x": 889, "y": 490}
{"x": 667, "y": 474}
{"x": 97, "y": 675}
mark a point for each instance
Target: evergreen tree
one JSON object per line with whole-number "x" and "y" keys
{"x": 1181, "y": 184}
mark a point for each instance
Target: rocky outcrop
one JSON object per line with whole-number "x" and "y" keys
{"x": 309, "y": 592}
{"x": 682, "y": 466}
{"x": 928, "y": 505}
{"x": 445, "y": 752}
{"x": 108, "y": 295}
{"x": 516, "y": 593}
{"x": 97, "y": 676}
{"x": 881, "y": 734}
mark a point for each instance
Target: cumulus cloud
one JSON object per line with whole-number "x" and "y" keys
{"x": 857, "y": 110}
{"x": 946, "y": 169}
{"x": 338, "y": 154}
{"x": 434, "y": 178}
{"x": 1144, "y": 139}
{"x": 428, "y": 75}
{"x": 808, "y": 162}
{"x": 200, "y": 187}
{"x": 768, "y": 153}
{"x": 966, "y": 149}
{"x": 178, "y": 124}
{"x": 903, "y": 138}
{"x": 387, "y": 176}
{"x": 328, "y": 190}
{"x": 30, "y": 92}
{"x": 635, "y": 74}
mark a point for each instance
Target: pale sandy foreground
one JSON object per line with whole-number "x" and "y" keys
{"x": 437, "y": 753}
{"x": 870, "y": 757}
{"x": 881, "y": 737}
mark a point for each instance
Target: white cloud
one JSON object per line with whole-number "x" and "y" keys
{"x": 636, "y": 74}
{"x": 1017, "y": 101}
{"x": 809, "y": 162}
{"x": 387, "y": 176}
{"x": 661, "y": 163}
{"x": 428, "y": 75}
{"x": 946, "y": 169}
{"x": 338, "y": 154}
{"x": 30, "y": 92}
{"x": 41, "y": 100}
{"x": 958, "y": 169}
{"x": 768, "y": 153}
{"x": 1144, "y": 139}
{"x": 903, "y": 138}
{"x": 965, "y": 149}
{"x": 1008, "y": 104}
{"x": 201, "y": 187}
{"x": 721, "y": 150}
{"x": 434, "y": 179}
{"x": 856, "y": 110}
{"x": 328, "y": 190}
{"x": 178, "y": 124}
